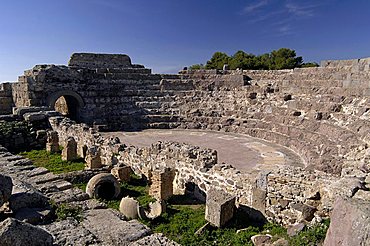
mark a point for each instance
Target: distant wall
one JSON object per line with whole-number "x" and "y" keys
{"x": 6, "y": 99}
{"x": 89, "y": 60}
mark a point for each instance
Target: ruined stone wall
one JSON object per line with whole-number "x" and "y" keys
{"x": 6, "y": 99}
{"x": 19, "y": 135}
{"x": 285, "y": 194}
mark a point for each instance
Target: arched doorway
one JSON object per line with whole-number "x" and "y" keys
{"x": 68, "y": 103}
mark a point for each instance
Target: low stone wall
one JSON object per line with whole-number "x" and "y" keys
{"x": 6, "y": 99}
{"x": 18, "y": 135}
{"x": 285, "y": 194}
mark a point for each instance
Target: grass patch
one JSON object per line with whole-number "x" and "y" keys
{"x": 64, "y": 211}
{"x": 180, "y": 222}
{"x": 136, "y": 188}
{"x": 81, "y": 186}
{"x": 53, "y": 161}
{"x": 311, "y": 235}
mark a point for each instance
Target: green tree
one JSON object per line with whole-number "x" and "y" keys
{"x": 285, "y": 58}
{"x": 242, "y": 60}
{"x": 218, "y": 60}
{"x": 263, "y": 62}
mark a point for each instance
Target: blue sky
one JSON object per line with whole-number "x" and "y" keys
{"x": 167, "y": 35}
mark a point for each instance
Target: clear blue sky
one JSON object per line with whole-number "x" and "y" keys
{"x": 167, "y": 35}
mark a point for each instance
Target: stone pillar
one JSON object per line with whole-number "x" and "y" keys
{"x": 161, "y": 186}
{"x": 220, "y": 207}
{"x": 52, "y": 142}
{"x": 122, "y": 174}
{"x": 92, "y": 158}
{"x": 69, "y": 152}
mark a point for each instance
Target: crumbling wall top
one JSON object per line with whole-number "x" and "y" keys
{"x": 92, "y": 60}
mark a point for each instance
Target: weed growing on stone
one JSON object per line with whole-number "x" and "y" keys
{"x": 53, "y": 161}
{"x": 81, "y": 186}
{"x": 64, "y": 211}
{"x": 311, "y": 235}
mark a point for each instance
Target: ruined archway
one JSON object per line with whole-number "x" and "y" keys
{"x": 66, "y": 102}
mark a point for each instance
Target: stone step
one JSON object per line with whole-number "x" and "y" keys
{"x": 69, "y": 195}
{"x": 41, "y": 179}
{"x": 120, "y": 232}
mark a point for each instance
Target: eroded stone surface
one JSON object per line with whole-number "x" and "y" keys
{"x": 220, "y": 207}
{"x": 15, "y": 232}
{"x": 110, "y": 229}
{"x": 349, "y": 223}
{"x": 6, "y": 186}
{"x": 156, "y": 239}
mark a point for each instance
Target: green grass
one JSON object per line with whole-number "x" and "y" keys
{"x": 81, "y": 186}
{"x": 310, "y": 236}
{"x": 53, "y": 162}
{"x": 64, "y": 211}
{"x": 183, "y": 216}
{"x": 180, "y": 222}
{"x": 136, "y": 188}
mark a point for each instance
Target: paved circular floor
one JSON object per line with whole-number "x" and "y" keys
{"x": 241, "y": 151}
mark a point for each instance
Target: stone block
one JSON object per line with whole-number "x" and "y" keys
{"x": 94, "y": 61}
{"x": 92, "y": 158}
{"x": 122, "y": 174}
{"x": 220, "y": 207}
{"x": 25, "y": 196}
{"x": 349, "y": 223}
{"x": 14, "y": 232}
{"x": 111, "y": 229}
{"x": 6, "y": 186}
{"x": 52, "y": 142}
{"x": 69, "y": 152}
{"x": 161, "y": 186}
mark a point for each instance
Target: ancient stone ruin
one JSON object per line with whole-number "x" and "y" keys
{"x": 306, "y": 132}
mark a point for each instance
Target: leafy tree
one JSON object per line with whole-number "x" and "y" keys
{"x": 242, "y": 60}
{"x": 263, "y": 62}
{"x": 218, "y": 60}
{"x": 285, "y": 59}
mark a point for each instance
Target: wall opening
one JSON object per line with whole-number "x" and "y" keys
{"x": 67, "y": 103}
{"x": 192, "y": 190}
{"x": 68, "y": 106}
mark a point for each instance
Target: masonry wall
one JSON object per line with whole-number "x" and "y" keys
{"x": 285, "y": 194}
{"x": 6, "y": 100}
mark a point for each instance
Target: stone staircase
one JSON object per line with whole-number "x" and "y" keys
{"x": 92, "y": 230}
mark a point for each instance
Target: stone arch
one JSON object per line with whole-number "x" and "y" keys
{"x": 73, "y": 101}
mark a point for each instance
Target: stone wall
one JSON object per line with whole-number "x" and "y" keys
{"x": 6, "y": 99}
{"x": 285, "y": 194}
{"x": 18, "y": 135}
{"x": 88, "y": 60}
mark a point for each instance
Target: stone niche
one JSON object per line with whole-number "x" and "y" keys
{"x": 220, "y": 207}
{"x": 93, "y": 61}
